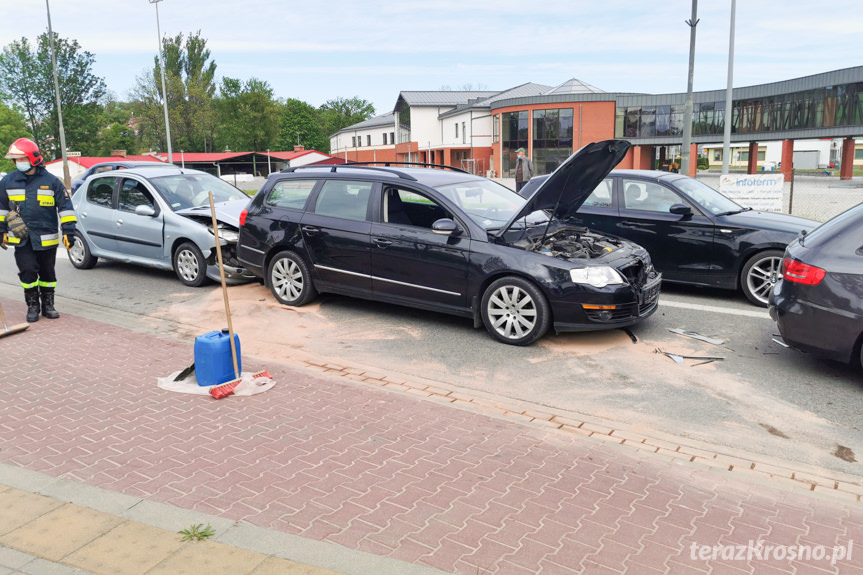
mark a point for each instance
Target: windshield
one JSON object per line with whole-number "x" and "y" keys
{"x": 486, "y": 202}
{"x": 707, "y": 197}
{"x": 184, "y": 191}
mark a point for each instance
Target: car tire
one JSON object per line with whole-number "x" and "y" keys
{"x": 290, "y": 280}
{"x": 190, "y": 265}
{"x": 759, "y": 274}
{"x": 80, "y": 255}
{"x": 515, "y": 311}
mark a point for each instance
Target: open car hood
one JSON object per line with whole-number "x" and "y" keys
{"x": 226, "y": 212}
{"x": 566, "y": 189}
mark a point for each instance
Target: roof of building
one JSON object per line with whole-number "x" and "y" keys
{"x": 443, "y": 97}
{"x": 522, "y": 91}
{"x": 574, "y": 86}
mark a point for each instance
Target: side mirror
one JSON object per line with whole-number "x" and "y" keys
{"x": 680, "y": 210}
{"x": 145, "y": 211}
{"x": 445, "y": 227}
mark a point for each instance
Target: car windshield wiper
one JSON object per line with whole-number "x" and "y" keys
{"x": 732, "y": 212}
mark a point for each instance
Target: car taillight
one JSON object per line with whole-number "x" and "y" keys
{"x": 243, "y": 215}
{"x": 798, "y": 272}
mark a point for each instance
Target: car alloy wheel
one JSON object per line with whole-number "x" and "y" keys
{"x": 189, "y": 265}
{"x": 514, "y": 311}
{"x": 290, "y": 280}
{"x": 79, "y": 254}
{"x": 760, "y": 274}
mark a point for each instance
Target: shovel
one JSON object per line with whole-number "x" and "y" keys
{"x": 10, "y": 330}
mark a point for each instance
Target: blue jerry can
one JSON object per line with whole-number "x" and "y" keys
{"x": 213, "y": 361}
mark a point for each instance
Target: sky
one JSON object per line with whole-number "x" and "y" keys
{"x": 317, "y": 51}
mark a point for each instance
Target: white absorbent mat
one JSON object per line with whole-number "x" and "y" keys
{"x": 251, "y": 384}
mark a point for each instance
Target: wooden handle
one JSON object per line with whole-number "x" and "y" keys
{"x": 224, "y": 286}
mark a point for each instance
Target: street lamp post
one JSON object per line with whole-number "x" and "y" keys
{"x": 66, "y": 179}
{"x": 164, "y": 90}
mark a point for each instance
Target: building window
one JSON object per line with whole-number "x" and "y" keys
{"x": 392, "y": 138}
{"x": 385, "y": 138}
{"x": 353, "y": 141}
{"x": 456, "y": 130}
{"x": 495, "y": 128}
{"x": 717, "y": 155}
{"x": 858, "y": 154}
{"x": 369, "y": 140}
{"x": 463, "y": 133}
{"x": 552, "y": 139}
{"x": 514, "y": 133}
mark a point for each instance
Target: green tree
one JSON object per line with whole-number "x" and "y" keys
{"x": 117, "y": 131}
{"x": 26, "y": 77}
{"x": 190, "y": 83}
{"x": 248, "y": 115}
{"x": 12, "y": 127}
{"x": 302, "y": 121}
{"x": 343, "y": 112}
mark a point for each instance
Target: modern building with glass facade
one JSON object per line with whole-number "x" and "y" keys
{"x": 480, "y": 131}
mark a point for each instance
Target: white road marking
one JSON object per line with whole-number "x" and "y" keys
{"x": 714, "y": 309}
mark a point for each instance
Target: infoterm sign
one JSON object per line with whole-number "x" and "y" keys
{"x": 757, "y": 191}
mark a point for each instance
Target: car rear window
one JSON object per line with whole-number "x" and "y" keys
{"x": 847, "y": 225}
{"x": 100, "y": 191}
{"x": 344, "y": 199}
{"x": 291, "y": 194}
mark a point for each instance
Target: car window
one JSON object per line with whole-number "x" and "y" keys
{"x": 486, "y": 202}
{"x": 190, "y": 190}
{"x": 132, "y": 195}
{"x": 100, "y": 191}
{"x": 648, "y": 196}
{"x": 707, "y": 197}
{"x": 291, "y": 194}
{"x": 410, "y": 208}
{"x": 600, "y": 197}
{"x": 101, "y": 169}
{"x": 344, "y": 199}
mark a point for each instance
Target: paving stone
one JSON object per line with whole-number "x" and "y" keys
{"x": 200, "y": 557}
{"x": 60, "y": 532}
{"x": 130, "y": 549}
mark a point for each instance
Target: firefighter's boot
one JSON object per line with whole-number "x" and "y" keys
{"x": 48, "y": 303}
{"x": 31, "y": 296}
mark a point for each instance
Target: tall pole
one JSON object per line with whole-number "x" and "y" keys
{"x": 164, "y": 90}
{"x": 729, "y": 112}
{"x": 67, "y": 181}
{"x": 687, "y": 110}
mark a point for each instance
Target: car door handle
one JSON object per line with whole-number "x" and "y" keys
{"x": 311, "y": 230}
{"x": 119, "y": 222}
{"x": 382, "y": 243}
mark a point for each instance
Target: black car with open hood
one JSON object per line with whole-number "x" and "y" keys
{"x": 450, "y": 241}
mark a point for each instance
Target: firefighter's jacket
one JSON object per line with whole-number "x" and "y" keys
{"x": 44, "y": 205}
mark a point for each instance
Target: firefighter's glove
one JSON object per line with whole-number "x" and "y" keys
{"x": 3, "y": 242}
{"x": 68, "y": 241}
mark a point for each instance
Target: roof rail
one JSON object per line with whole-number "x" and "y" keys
{"x": 357, "y": 166}
{"x": 409, "y": 164}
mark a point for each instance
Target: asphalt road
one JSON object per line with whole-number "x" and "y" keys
{"x": 760, "y": 397}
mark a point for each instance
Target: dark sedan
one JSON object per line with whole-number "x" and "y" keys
{"x": 818, "y": 305}
{"x": 694, "y": 234}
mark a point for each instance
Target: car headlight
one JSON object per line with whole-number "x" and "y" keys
{"x": 599, "y": 276}
{"x": 229, "y": 235}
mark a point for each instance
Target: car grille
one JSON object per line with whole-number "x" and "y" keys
{"x": 636, "y": 273}
{"x": 648, "y": 299}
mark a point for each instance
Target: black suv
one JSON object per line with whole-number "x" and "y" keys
{"x": 449, "y": 241}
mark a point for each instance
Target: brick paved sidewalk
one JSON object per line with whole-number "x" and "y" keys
{"x": 387, "y": 473}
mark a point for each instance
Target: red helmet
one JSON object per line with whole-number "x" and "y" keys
{"x": 24, "y": 148}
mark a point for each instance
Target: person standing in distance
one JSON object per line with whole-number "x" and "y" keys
{"x": 43, "y": 203}
{"x": 523, "y": 169}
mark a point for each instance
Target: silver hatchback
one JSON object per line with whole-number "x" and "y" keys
{"x": 159, "y": 217}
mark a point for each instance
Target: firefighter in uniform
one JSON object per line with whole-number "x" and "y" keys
{"x": 44, "y": 205}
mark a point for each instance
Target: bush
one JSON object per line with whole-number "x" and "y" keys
{"x": 703, "y": 163}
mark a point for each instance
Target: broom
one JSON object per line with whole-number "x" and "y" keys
{"x": 233, "y": 383}
{"x": 10, "y": 330}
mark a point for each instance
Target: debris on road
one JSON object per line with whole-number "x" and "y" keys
{"x": 695, "y": 335}
{"x": 680, "y": 359}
